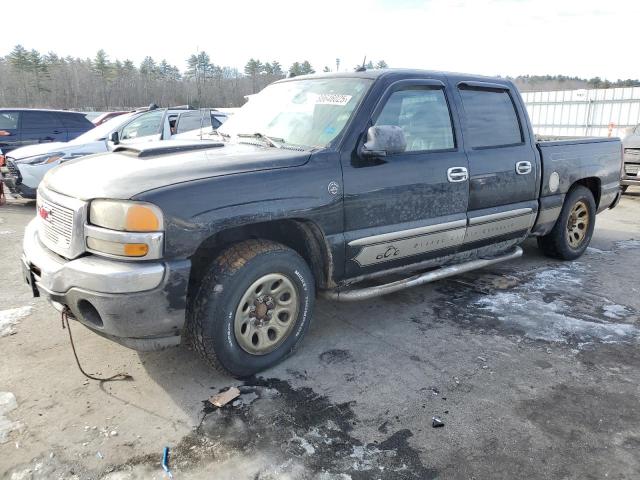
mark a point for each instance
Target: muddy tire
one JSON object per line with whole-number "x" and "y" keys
{"x": 573, "y": 230}
{"x": 252, "y": 308}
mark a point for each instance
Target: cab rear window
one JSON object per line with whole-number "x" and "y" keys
{"x": 491, "y": 118}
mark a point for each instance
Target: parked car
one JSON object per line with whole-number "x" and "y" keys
{"x": 103, "y": 117}
{"x": 317, "y": 184}
{"x": 20, "y": 127}
{"x": 631, "y": 145}
{"x": 197, "y": 119}
{"x": 27, "y": 166}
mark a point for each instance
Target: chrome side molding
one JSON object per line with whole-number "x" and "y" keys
{"x": 419, "y": 279}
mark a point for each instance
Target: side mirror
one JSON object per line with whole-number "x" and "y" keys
{"x": 383, "y": 140}
{"x": 115, "y": 138}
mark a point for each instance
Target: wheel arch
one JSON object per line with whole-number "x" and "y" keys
{"x": 303, "y": 236}
{"x": 593, "y": 184}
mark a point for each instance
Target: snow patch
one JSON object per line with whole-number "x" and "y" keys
{"x": 9, "y": 318}
{"x": 627, "y": 244}
{"x": 598, "y": 251}
{"x": 6, "y": 232}
{"x": 525, "y": 309}
{"x": 540, "y": 320}
{"x": 7, "y": 404}
{"x": 616, "y": 312}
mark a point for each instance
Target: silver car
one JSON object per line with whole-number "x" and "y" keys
{"x": 631, "y": 145}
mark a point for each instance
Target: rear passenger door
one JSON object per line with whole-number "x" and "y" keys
{"x": 75, "y": 123}
{"x": 411, "y": 206}
{"x": 9, "y": 130}
{"x": 41, "y": 127}
{"x": 503, "y": 165}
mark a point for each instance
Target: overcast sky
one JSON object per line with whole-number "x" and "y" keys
{"x": 586, "y": 38}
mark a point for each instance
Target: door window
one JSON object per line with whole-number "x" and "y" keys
{"x": 143, "y": 126}
{"x": 423, "y": 115}
{"x": 40, "y": 120}
{"x": 9, "y": 120}
{"x": 75, "y": 120}
{"x": 491, "y": 118}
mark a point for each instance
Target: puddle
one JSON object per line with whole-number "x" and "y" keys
{"x": 274, "y": 432}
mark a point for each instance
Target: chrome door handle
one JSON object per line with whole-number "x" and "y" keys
{"x": 457, "y": 174}
{"x": 523, "y": 168}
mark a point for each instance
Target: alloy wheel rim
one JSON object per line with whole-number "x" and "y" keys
{"x": 266, "y": 314}
{"x": 578, "y": 224}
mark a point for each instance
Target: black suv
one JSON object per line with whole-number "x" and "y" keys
{"x": 21, "y": 126}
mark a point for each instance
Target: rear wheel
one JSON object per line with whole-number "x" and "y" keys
{"x": 573, "y": 230}
{"x": 252, "y": 308}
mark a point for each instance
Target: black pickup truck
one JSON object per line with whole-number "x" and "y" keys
{"x": 318, "y": 183}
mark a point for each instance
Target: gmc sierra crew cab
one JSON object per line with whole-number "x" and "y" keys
{"x": 317, "y": 184}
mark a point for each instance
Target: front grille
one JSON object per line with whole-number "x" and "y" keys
{"x": 631, "y": 169}
{"x": 57, "y": 223}
{"x": 14, "y": 172}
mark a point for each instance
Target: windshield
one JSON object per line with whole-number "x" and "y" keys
{"x": 102, "y": 131}
{"x": 308, "y": 113}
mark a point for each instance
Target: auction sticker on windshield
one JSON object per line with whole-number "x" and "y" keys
{"x": 332, "y": 99}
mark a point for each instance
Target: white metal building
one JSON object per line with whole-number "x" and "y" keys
{"x": 599, "y": 112}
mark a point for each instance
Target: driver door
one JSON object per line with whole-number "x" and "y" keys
{"x": 411, "y": 206}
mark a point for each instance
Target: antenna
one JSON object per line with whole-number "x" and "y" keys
{"x": 362, "y": 68}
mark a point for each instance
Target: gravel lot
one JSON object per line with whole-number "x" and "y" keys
{"x": 533, "y": 366}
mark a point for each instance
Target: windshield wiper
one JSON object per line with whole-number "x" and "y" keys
{"x": 272, "y": 141}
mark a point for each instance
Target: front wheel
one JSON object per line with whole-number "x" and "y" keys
{"x": 252, "y": 308}
{"x": 573, "y": 230}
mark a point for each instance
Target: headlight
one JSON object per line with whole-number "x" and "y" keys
{"x": 43, "y": 159}
{"x": 125, "y": 229}
{"x": 126, "y": 216}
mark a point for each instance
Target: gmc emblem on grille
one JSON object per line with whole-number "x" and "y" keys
{"x": 44, "y": 213}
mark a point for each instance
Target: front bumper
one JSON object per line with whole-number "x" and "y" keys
{"x": 630, "y": 181}
{"x": 15, "y": 185}
{"x": 140, "y": 305}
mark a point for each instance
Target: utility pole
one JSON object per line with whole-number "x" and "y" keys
{"x": 337, "y": 64}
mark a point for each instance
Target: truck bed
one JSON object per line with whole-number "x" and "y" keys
{"x": 573, "y": 159}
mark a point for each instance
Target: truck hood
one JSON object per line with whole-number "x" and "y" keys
{"x": 36, "y": 149}
{"x": 127, "y": 173}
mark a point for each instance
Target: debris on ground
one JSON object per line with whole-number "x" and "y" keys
{"x": 221, "y": 399}
{"x": 436, "y": 422}
{"x": 165, "y": 462}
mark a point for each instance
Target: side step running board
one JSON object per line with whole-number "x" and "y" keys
{"x": 351, "y": 295}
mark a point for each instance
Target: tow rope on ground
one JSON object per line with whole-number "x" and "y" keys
{"x": 116, "y": 377}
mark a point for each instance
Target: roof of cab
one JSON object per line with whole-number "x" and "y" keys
{"x": 401, "y": 73}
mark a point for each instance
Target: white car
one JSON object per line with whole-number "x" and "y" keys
{"x": 26, "y": 166}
